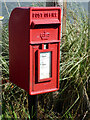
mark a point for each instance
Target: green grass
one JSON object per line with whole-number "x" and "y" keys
{"x": 69, "y": 103}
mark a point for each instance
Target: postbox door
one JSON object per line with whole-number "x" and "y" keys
{"x": 44, "y": 68}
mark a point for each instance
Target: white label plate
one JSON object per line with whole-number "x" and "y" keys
{"x": 45, "y": 65}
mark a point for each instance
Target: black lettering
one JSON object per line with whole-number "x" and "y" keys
{"x": 55, "y": 15}
{"x": 52, "y": 14}
{"x": 45, "y": 14}
{"x": 49, "y": 15}
{"x": 36, "y": 15}
{"x": 33, "y": 15}
{"x": 40, "y": 14}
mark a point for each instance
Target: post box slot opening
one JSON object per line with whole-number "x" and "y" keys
{"x": 44, "y": 26}
{"x": 45, "y": 23}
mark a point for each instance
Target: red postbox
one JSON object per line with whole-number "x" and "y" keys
{"x": 34, "y": 48}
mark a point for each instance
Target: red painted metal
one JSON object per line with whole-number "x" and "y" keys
{"x": 29, "y": 30}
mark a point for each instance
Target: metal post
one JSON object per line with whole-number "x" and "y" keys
{"x": 33, "y": 106}
{"x": 64, "y": 18}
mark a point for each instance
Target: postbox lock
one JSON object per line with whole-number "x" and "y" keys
{"x": 44, "y": 35}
